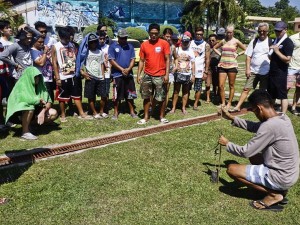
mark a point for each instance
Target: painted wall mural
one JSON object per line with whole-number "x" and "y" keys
{"x": 75, "y": 13}
{"x": 78, "y": 13}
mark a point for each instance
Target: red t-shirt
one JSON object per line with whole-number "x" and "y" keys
{"x": 154, "y": 55}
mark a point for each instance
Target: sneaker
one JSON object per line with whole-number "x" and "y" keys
{"x": 114, "y": 117}
{"x": 104, "y": 115}
{"x": 97, "y": 116}
{"x": 295, "y": 112}
{"x": 29, "y": 136}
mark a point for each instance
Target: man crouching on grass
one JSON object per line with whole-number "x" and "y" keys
{"x": 273, "y": 152}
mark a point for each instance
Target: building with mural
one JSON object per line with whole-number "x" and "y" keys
{"x": 80, "y": 14}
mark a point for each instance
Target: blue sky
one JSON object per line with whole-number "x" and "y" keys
{"x": 272, "y": 2}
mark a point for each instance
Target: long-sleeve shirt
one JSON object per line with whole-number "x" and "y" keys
{"x": 276, "y": 140}
{"x": 21, "y": 55}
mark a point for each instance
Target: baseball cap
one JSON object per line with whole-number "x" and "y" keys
{"x": 186, "y": 38}
{"x": 280, "y": 25}
{"x": 174, "y": 37}
{"x": 122, "y": 33}
{"x": 187, "y": 33}
{"x": 221, "y": 31}
{"x": 92, "y": 37}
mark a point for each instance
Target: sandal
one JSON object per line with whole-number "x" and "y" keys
{"x": 133, "y": 115}
{"x": 63, "y": 119}
{"x": 234, "y": 110}
{"x": 164, "y": 120}
{"x": 85, "y": 117}
{"x": 275, "y": 207}
{"x": 142, "y": 122}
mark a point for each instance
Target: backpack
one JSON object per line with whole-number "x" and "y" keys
{"x": 256, "y": 39}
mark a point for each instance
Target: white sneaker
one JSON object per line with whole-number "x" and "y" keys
{"x": 104, "y": 115}
{"x": 97, "y": 116}
{"x": 29, "y": 136}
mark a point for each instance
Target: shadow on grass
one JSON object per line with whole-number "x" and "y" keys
{"x": 20, "y": 161}
{"x": 12, "y": 174}
{"x": 38, "y": 129}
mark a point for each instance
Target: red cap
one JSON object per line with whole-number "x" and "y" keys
{"x": 187, "y": 33}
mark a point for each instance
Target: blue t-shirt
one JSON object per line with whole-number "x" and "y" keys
{"x": 47, "y": 69}
{"x": 122, "y": 55}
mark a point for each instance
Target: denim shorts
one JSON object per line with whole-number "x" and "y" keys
{"x": 259, "y": 174}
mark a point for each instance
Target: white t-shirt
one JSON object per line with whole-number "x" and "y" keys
{"x": 49, "y": 41}
{"x": 185, "y": 59}
{"x": 104, "y": 49}
{"x": 93, "y": 64}
{"x": 260, "y": 62}
{"x": 199, "y": 52}
{"x": 295, "y": 61}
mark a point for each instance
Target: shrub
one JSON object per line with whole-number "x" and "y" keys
{"x": 238, "y": 34}
{"x": 137, "y": 33}
{"x": 93, "y": 28}
{"x": 162, "y": 27}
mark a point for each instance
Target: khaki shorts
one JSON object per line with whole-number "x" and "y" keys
{"x": 254, "y": 79}
{"x": 153, "y": 85}
{"x": 293, "y": 78}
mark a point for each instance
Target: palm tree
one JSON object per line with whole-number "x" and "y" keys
{"x": 229, "y": 10}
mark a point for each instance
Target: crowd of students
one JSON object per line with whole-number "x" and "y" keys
{"x": 182, "y": 61}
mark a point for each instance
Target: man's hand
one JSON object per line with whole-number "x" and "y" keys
{"x": 85, "y": 75}
{"x": 225, "y": 114}
{"x": 248, "y": 73}
{"x": 125, "y": 72}
{"x": 138, "y": 79}
{"x": 166, "y": 79}
{"x": 275, "y": 48}
{"x": 223, "y": 141}
{"x": 41, "y": 117}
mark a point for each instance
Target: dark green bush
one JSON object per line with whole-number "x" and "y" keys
{"x": 137, "y": 33}
{"x": 238, "y": 34}
{"x": 162, "y": 27}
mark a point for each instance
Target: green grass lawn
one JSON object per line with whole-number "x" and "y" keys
{"x": 158, "y": 179}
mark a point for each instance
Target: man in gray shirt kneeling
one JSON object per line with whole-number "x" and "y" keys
{"x": 273, "y": 152}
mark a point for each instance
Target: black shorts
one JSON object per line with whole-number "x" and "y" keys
{"x": 95, "y": 87}
{"x": 277, "y": 86}
{"x": 50, "y": 88}
{"x": 124, "y": 88}
{"x": 70, "y": 88}
{"x": 229, "y": 70}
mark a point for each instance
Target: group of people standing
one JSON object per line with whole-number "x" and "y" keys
{"x": 186, "y": 61}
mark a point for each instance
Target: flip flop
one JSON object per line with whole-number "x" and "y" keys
{"x": 142, "y": 122}
{"x": 234, "y": 110}
{"x": 284, "y": 201}
{"x": 275, "y": 207}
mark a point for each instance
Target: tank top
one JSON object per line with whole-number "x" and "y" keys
{"x": 228, "y": 57}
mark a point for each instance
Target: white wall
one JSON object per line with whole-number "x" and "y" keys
{"x": 28, "y": 11}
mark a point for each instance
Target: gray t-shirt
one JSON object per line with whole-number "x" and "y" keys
{"x": 276, "y": 140}
{"x": 21, "y": 55}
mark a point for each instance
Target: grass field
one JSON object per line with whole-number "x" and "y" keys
{"x": 158, "y": 179}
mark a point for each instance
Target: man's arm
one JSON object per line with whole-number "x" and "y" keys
{"x": 6, "y": 54}
{"x": 207, "y": 60}
{"x": 282, "y": 57}
{"x": 247, "y": 62}
{"x": 140, "y": 70}
{"x": 167, "y": 60}
{"x": 55, "y": 66}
